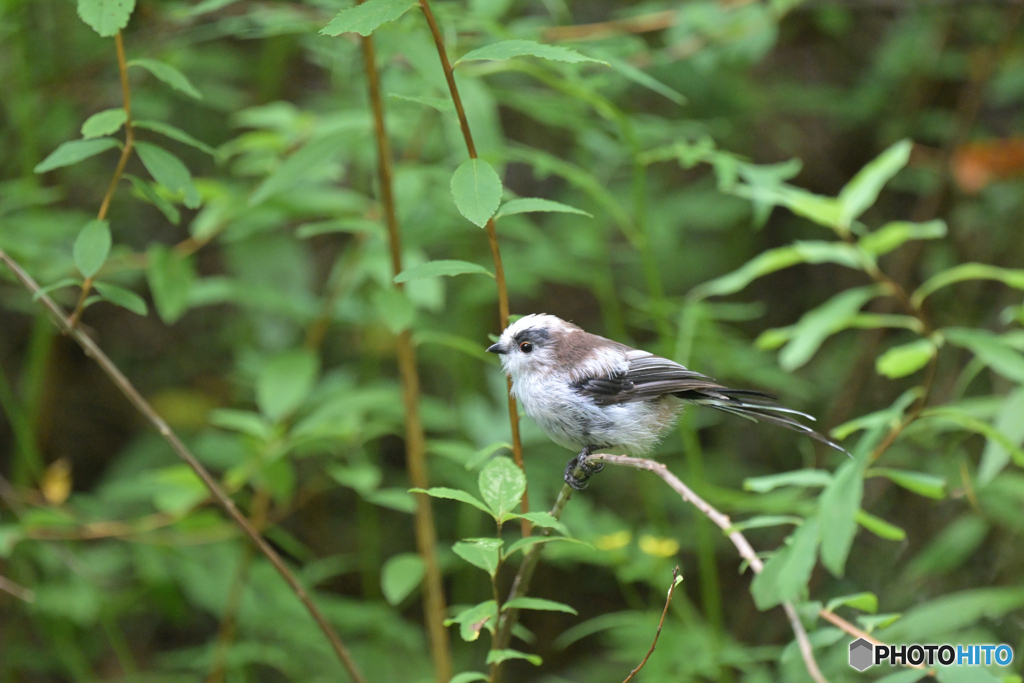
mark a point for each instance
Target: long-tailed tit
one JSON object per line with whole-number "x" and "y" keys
{"x": 591, "y": 393}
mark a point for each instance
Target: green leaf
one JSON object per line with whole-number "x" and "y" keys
{"x": 972, "y": 424}
{"x": 991, "y": 349}
{"x": 311, "y": 158}
{"x": 365, "y": 18}
{"x": 285, "y": 381}
{"x": 821, "y": 210}
{"x": 484, "y": 553}
{"x": 862, "y": 190}
{"x": 995, "y": 457}
{"x": 762, "y": 521}
{"x": 498, "y": 656}
{"x": 838, "y": 506}
{"x": 893, "y": 235}
{"x": 880, "y": 527}
{"x": 538, "y": 604}
{"x": 476, "y": 189}
{"x": 507, "y": 49}
{"x": 400, "y": 576}
{"x": 170, "y": 278}
{"x": 953, "y": 546}
{"x": 952, "y": 612}
{"x": 169, "y": 75}
{"x": 106, "y": 17}
{"x": 146, "y": 191}
{"x": 534, "y": 204}
{"x": 468, "y": 677}
{"x": 475, "y": 619}
{"x": 530, "y": 541}
{"x": 905, "y": 359}
{"x": 440, "y": 268}
{"x": 644, "y": 79}
{"x": 180, "y": 490}
{"x": 967, "y": 674}
{"x": 545, "y": 520}
{"x": 865, "y": 602}
{"x": 394, "y": 308}
{"x": 362, "y": 477}
{"x": 59, "y": 284}
{"x": 169, "y": 171}
{"x": 967, "y": 271}
{"x": 777, "y": 259}
{"x": 786, "y": 573}
{"x": 74, "y": 151}
{"x": 175, "y": 133}
{"x": 104, "y": 123}
{"x": 243, "y": 422}
{"x": 125, "y": 298}
{"x": 920, "y": 483}
{"x": 906, "y": 676}
{"x": 454, "y": 494}
{"x": 807, "y": 336}
{"x": 484, "y": 454}
{"x": 92, "y": 247}
{"x": 442, "y": 104}
{"x": 802, "y": 478}
{"x": 502, "y": 484}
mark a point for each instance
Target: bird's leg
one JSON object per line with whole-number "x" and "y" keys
{"x": 588, "y": 469}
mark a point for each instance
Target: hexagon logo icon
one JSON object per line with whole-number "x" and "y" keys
{"x": 861, "y": 654}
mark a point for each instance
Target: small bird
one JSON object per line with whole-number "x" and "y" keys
{"x": 591, "y": 393}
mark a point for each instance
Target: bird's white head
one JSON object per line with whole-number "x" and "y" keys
{"x": 532, "y": 344}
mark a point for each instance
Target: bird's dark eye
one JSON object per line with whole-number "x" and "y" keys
{"x": 526, "y": 347}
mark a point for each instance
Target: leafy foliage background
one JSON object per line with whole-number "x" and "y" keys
{"x": 251, "y": 230}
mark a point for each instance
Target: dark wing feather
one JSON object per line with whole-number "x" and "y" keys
{"x": 649, "y": 377}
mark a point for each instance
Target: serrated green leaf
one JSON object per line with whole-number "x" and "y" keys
{"x": 862, "y": 190}
{"x": 475, "y": 619}
{"x": 170, "y": 278}
{"x": 169, "y": 171}
{"x": 838, "y": 508}
{"x": 865, "y": 602}
{"x": 893, "y": 235}
{"x": 125, "y": 298}
{"x": 454, "y": 494}
{"x": 92, "y": 247}
{"x": 285, "y": 381}
{"x": 441, "y": 104}
{"x": 968, "y": 271}
{"x": 481, "y": 552}
{"x": 169, "y": 75}
{"x": 538, "y": 604}
{"x": 502, "y": 484}
{"x": 815, "y": 326}
{"x": 175, "y": 133}
{"x": 776, "y": 259}
{"x": 74, "y": 151}
{"x": 786, "y": 573}
{"x": 365, "y": 18}
{"x": 104, "y": 123}
{"x": 923, "y": 484}
{"x": 476, "y": 189}
{"x": 880, "y": 527}
{"x": 446, "y": 268}
{"x": 147, "y": 192}
{"x": 507, "y": 49}
{"x": 400, "y": 576}
{"x": 905, "y": 359}
{"x": 498, "y": 656}
{"x": 530, "y": 541}
{"x": 545, "y": 520}
{"x": 534, "y": 204}
{"x": 106, "y": 17}
{"x": 803, "y": 478}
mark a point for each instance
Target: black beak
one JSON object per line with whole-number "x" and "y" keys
{"x": 495, "y": 348}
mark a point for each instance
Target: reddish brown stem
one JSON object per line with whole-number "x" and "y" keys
{"x": 492, "y": 238}
{"x": 143, "y": 406}
{"x": 661, "y": 622}
{"x": 434, "y": 603}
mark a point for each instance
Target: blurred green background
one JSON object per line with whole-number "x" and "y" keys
{"x": 268, "y": 341}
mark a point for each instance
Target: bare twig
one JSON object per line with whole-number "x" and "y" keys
{"x": 737, "y": 538}
{"x": 415, "y": 443}
{"x": 126, "y": 151}
{"x": 661, "y": 622}
{"x": 20, "y": 592}
{"x": 135, "y": 398}
{"x": 492, "y": 238}
{"x": 644, "y": 23}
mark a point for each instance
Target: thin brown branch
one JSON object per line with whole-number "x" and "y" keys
{"x": 644, "y": 23}
{"x": 135, "y": 398}
{"x": 661, "y": 622}
{"x": 126, "y": 151}
{"x": 434, "y": 603}
{"x": 492, "y": 238}
{"x": 20, "y": 592}
{"x": 737, "y": 538}
{"x": 849, "y": 628}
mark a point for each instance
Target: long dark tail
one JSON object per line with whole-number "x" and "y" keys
{"x": 757, "y": 406}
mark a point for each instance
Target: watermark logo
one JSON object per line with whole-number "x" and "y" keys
{"x": 865, "y": 654}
